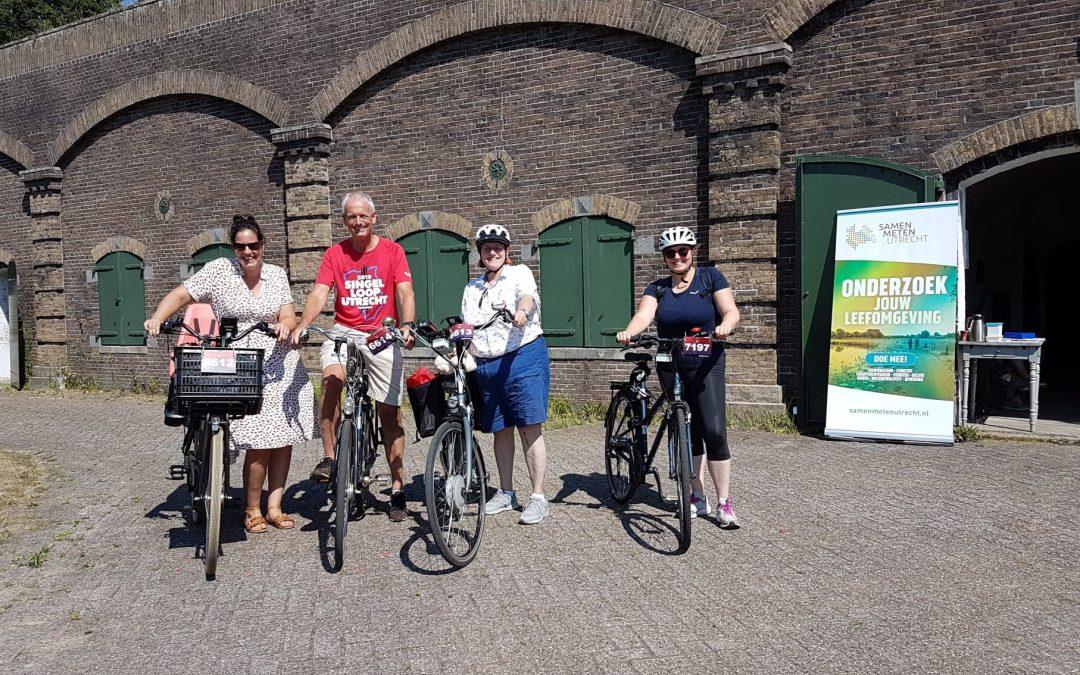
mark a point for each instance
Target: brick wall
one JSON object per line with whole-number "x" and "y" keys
{"x": 214, "y": 158}
{"x": 894, "y": 82}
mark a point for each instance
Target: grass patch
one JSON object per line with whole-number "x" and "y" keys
{"x": 967, "y": 434}
{"x": 20, "y": 479}
{"x": 563, "y": 414}
{"x": 771, "y": 422}
{"x": 37, "y": 560}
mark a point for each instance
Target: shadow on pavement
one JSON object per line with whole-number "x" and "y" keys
{"x": 651, "y": 531}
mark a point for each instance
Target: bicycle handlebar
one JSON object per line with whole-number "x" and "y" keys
{"x": 654, "y": 340}
{"x": 176, "y": 326}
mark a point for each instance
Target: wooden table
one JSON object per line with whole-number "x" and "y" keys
{"x": 1020, "y": 350}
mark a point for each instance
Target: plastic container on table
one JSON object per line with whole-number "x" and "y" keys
{"x": 994, "y": 331}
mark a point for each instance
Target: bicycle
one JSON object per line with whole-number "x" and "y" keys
{"x": 212, "y": 385}
{"x": 628, "y": 457}
{"x": 455, "y": 476}
{"x": 358, "y": 435}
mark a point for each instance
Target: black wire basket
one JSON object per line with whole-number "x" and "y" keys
{"x": 237, "y": 392}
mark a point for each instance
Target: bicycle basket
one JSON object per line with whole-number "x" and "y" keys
{"x": 211, "y": 385}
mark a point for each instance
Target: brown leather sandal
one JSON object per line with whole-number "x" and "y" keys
{"x": 254, "y": 523}
{"x": 281, "y": 521}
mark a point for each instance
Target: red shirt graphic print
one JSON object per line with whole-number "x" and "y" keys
{"x": 364, "y": 282}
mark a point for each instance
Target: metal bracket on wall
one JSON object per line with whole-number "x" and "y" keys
{"x": 530, "y": 252}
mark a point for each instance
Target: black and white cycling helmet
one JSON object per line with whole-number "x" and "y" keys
{"x": 676, "y": 236}
{"x": 492, "y": 232}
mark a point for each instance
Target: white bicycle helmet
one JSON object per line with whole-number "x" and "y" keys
{"x": 492, "y": 232}
{"x": 675, "y": 236}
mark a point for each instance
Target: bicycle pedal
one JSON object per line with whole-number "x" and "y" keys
{"x": 177, "y": 472}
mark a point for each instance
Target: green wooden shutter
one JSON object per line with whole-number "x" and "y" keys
{"x": 132, "y": 299}
{"x": 825, "y": 185}
{"x": 208, "y": 253}
{"x": 121, "y": 299}
{"x": 608, "y": 279}
{"x": 416, "y": 252}
{"x": 560, "y": 284}
{"x": 448, "y": 257}
{"x": 109, "y": 312}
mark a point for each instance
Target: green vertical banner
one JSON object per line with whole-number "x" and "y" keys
{"x": 892, "y": 346}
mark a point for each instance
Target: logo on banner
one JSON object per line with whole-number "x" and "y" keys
{"x": 365, "y": 290}
{"x": 856, "y": 237}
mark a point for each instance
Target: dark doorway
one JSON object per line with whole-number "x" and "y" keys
{"x": 1023, "y": 228}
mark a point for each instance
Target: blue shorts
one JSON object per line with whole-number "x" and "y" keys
{"x": 514, "y": 387}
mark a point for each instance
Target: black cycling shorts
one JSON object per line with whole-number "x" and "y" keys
{"x": 703, "y": 389}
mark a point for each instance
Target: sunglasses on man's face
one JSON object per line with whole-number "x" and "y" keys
{"x": 670, "y": 253}
{"x": 254, "y": 246}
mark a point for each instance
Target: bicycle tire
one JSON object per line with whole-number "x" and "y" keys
{"x": 620, "y": 462}
{"x": 343, "y": 487}
{"x": 449, "y": 505}
{"x": 366, "y": 457}
{"x": 193, "y": 472}
{"x": 213, "y": 499}
{"x": 680, "y": 436}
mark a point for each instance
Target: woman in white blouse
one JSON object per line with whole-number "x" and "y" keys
{"x": 512, "y": 370}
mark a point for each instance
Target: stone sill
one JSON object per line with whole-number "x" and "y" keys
{"x": 121, "y": 349}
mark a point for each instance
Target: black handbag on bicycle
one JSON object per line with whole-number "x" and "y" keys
{"x": 428, "y": 401}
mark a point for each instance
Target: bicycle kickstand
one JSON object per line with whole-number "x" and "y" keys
{"x": 660, "y": 486}
{"x": 381, "y": 479}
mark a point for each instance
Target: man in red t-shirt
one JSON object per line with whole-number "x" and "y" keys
{"x": 372, "y": 281}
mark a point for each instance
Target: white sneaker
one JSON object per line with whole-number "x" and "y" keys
{"x": 501, "y": 501}
{"x": 699, "y": 506}
{"x": 725, "y": 515}
{"x": 536, "y": 510}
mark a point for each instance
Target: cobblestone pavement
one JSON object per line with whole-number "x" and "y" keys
{"x": 852, "y": 557}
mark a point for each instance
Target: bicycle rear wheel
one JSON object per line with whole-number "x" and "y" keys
{"x": 343, "y": 487}
{"x": 456, "y": 514}
{"x": 680, "y": 437}
{"x": 623, "y": 474}
{"x": 212, "y": 500}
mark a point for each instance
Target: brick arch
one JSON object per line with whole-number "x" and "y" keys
{"x": 218, "y": 235}
{"x": 430, "y": 220}
{"x": 594, "y": 205}
{"x": 989, "y": 140}
{"x": 681, "y": 27}
{"x": 16, "y": 150}
{"x": 786, "y": 17}
{"x": 120, "y": 243}
{"x": 170, "y": 83}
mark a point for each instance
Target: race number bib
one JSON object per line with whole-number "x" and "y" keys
{"x": 460, "y": 332}
{"x": 219, "y": 361}
{"x": 700, "y": 346}
{"x": 379, "y": 340}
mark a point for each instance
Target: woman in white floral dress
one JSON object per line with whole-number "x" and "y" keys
{"x": 251, "y": 291}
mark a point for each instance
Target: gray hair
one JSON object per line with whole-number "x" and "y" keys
{"x": 362, "y": 196}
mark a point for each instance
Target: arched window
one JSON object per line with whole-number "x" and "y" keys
{"x": 208, "y": 253}
{"x": 121, "y": 299}
{"x": 439, "y": 262}
{"x": 586, "y": 281}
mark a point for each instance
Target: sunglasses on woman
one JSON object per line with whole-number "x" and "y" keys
{"x": 254, "y": 246}
{"x": 670, "y": 253}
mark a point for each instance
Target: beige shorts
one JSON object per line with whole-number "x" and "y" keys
{"x": 385, "y": 370}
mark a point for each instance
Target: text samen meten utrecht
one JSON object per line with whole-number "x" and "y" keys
{"x": 893, "y": 305}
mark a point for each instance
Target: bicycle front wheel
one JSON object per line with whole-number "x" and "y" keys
{"x": 212, "y": 501}
{"x": 680, "y": 437}
{"x": 455, "y": 499}
{"x": 343, "y": 486}
{"x": 623, "y": 474}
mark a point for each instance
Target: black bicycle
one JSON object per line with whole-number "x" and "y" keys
{"x": 628, "y": 456}
{"x": 212, "y": 384}
{"x": 358, "y": 435}
{"x": 455, "y": 477}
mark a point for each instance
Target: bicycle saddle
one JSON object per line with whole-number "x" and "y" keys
{"x": 637, "y": 357}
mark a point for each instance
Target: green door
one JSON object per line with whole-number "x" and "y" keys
{"x": 586, "y": 280}
{"x": 608, "y": 279}
{"x": 439, "y": 262}
{"x": 208, "y": 253}
{"x": 561, "y": 290}
{"x": 121, "y": 299}
{"x": 825, "y": 185}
